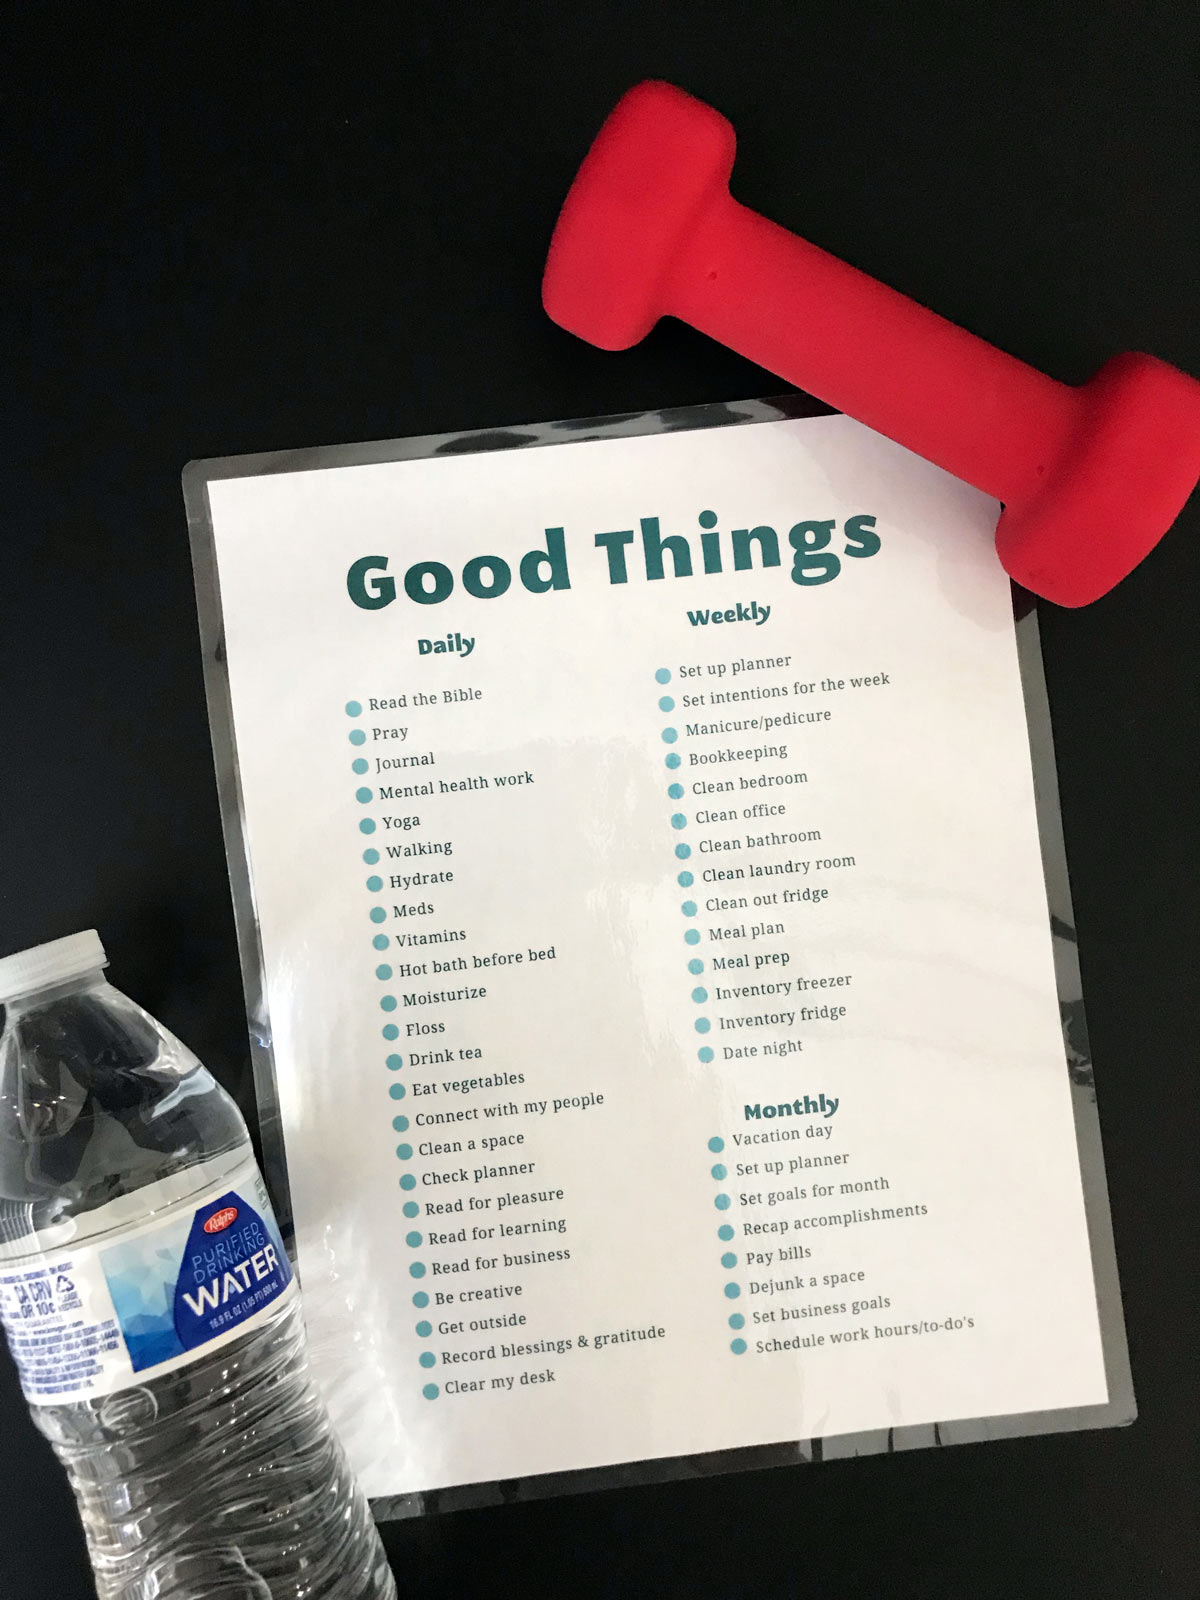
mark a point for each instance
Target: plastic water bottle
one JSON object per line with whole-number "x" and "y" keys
{"x": 152, "y": 1311}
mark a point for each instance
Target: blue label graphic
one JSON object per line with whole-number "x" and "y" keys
{"x": 233, "y": 1266}
{"x": 176, "y": 1288}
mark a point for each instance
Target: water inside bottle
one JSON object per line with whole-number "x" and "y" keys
{"x": 212, "y": 1472}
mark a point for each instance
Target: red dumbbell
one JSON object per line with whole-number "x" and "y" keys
{"x": 1091, "y": 478}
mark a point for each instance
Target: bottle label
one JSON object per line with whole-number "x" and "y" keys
{"x": 91, "y": 1320}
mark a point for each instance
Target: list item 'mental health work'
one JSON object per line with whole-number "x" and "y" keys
{"x": 656, "y": 949}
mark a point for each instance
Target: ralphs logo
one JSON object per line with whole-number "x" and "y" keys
{"x": 220, "y": 1220}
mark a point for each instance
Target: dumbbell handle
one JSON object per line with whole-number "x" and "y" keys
{"x": 861, "y": 347}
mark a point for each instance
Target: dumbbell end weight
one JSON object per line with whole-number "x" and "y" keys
{"x": 1120, "y": 479}
{"x": 1091, "y": 478}
{"x": 660, "y": 160}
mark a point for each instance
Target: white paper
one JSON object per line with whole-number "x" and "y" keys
{"x": 919, "y": 1253}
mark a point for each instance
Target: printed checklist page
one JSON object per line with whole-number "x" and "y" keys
{"x": 656, "y": 949}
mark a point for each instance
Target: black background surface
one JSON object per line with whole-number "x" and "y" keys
{"x": 244, "y": 229}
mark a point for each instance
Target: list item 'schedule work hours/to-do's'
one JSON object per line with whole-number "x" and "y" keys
{"x": 647, "y": 885}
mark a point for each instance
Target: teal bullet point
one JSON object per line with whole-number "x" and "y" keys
{"x": 362, "y": 795}
{"x": 679, "y": 820}
{"x": 725, "y": 1232}
{"x": 408, "y": 1181}
{"x": 675, "y": 791}
{"x": 716, "y": 1145}
{"x": 390, "y": 1031}
{"x": 733, "y": 1291}
{"x": 705, "y": 1053}
{"x": 371, "y": 855}
{"x": 388, "y": 1003}
{"x": 738, "y": 1346}
{"x": 666, "y": 703}
{"x": 737, "y": 1320}
{"x": 374, "y": 884}
{"x": 367, "y": 825}
{"x": 719, "y": 1173}
{"x": 360, "y": 766}
{"x": 411, "y": 1208}
{"x": 353, "y": 709}
{"x": 357, "y": 736}
{"x": 417, "y": 1269}
{"x": 404, "y": 1152}
{"x": 414, "y": 1241}
{"x": 394, "y": 1063}
{"x": 380, "y": 941}
{"x": 722, "y": 1202}
{"x": 685, "y": 880}
{"x": 420, "y": 1299}
{"x": 695, "y": 966}
{"x": 688, "y": 908}
{"x": 674, "y": 760}
{"x": 424, "y": 1329}
{"x": 728, "y": 1260}
{"x": 400, "y": 1124}
{"x": 431, "y": 1391}
{"x": 378, "y": 914}
{"x": 692, "y": 936}
{"x": 397, "y": 1091}
{"x": 669, "y": 735}
{"x": 683, "y": 851}
{"x": 383, "y": 972}
{"x": 662, "y": 675}
{"x": 427, "y": 1358}
{"x": 702, "y": 1024}
{"x": 699, "y": 996}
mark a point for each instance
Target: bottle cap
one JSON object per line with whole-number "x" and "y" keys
{"x": 47, "y": 964}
